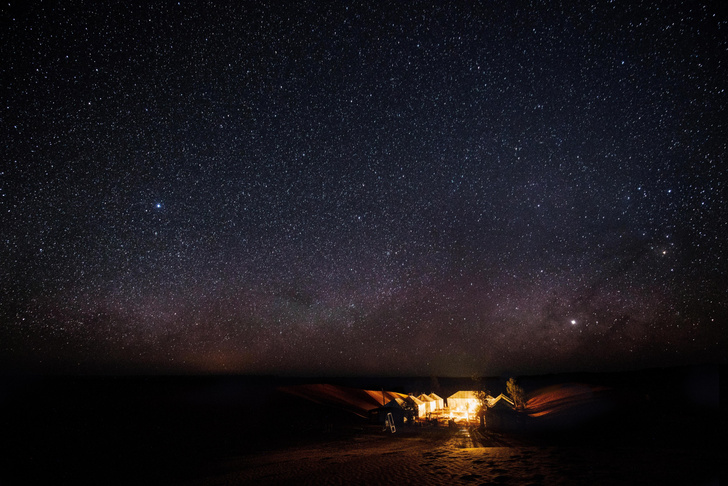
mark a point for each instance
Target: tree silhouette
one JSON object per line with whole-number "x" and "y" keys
{"x": 481, "y": 394}
{"x": 516, "y": 393}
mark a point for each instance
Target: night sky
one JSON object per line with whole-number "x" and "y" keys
{"x": 349, "y": 188}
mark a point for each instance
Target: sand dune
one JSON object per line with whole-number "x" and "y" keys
{"x": 354, "y": 400}
{"x": 562, "y": 398}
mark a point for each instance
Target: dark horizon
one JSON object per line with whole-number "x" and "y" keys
{"x": 9, "y": 373}
{"x": 319, "y": 188}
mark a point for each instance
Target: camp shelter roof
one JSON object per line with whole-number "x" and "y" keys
{"x": 415, "y": 400}
{"x": 434, "y": 396}
{"x": 499, "y": 399}
{"x": 394, "y": 403}
{"x": 383, "y": 396}
{"x": 464, "y": 394}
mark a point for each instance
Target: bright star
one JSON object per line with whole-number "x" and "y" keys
{"x": 573, "y": 321}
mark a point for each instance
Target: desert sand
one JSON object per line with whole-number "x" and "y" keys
{"x": 572, "y": 434}
{"x": 446, "y": 457}
{"x": 657, "y": 427}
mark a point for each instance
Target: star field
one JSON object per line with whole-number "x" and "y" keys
{"x": 344, "y": 188}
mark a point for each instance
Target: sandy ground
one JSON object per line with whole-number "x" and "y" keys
{"x": 434, "y": 457}
{"x": 201, "y": 431}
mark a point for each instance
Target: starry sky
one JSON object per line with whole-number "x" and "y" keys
{"x": 356, "y": 188}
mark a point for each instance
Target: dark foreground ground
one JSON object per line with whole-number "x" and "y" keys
{"x": 664, "y": 425}
{"x": 443, "y": 457}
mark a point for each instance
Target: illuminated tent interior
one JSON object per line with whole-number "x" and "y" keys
{"x": 462, "y": 404}
{"x": 439, "y": 401}
{"x": 430, "y": 404}
{"x": 420, "y": 406}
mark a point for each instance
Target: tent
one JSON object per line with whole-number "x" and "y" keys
{"x": 500, "y": 401}
{"x": 419, "y": 406}
{"x": 439, "y": 403}
{"x": 430, "y": 404}
{"x": 501, "y": 414}
{"x": 463, "y": 401}
{"x": 379, "y": 415}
